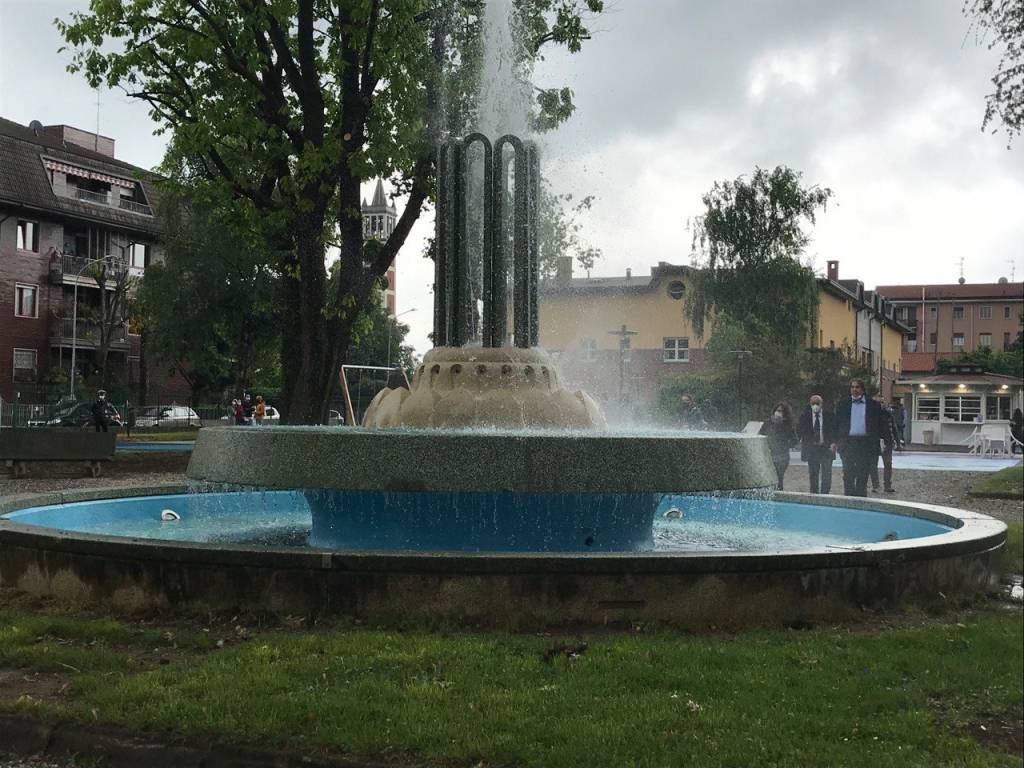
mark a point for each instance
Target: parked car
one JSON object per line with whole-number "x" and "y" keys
{"x": 334, "y": 418}
{"x": 167, "y": 416}
{"x": 77, "y": 415}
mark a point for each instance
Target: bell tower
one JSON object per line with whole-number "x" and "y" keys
{"x": 379, "y": 217}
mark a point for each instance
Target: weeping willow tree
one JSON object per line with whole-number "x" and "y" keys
{"x": 748, "y": 244}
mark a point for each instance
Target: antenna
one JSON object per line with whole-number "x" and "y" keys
{"x": 962, "y": 279}
{"x": 1013, "y": 270}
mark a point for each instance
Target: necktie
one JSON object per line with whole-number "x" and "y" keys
{"x": 817, "y": 427}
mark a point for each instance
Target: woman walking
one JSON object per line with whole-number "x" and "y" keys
{"x": 781, "y": 437}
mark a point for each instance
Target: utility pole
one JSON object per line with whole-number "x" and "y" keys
{"x": 624, "y": 345}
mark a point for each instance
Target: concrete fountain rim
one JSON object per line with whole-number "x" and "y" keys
{"x": 974, "y": 533}
{"x": 536, "y": 461}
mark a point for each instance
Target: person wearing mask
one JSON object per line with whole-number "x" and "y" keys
{"x": 260, "y": 411}
{"x": 781, "y": 437}
{"x": 99, "y": 411}
{"x": 817, "y": 432}
{"x": 238, "y": 411}
{"x": 247, "y": 407}
{"x": 890, "y": 439}
{"x": 858, "y": 434}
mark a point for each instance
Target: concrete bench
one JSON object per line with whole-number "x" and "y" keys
{"x": 19, "y": 446}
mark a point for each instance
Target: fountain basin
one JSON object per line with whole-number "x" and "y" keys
{"x": 948, "y": 559}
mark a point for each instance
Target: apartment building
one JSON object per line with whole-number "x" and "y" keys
{"x": 66, "y": 202}
{"x": 945, "y": 320}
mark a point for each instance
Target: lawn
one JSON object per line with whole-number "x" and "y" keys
{"x": 917, "y": 693}
{"x": 1005, "y": 484}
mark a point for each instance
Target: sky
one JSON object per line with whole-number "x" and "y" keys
{"x": 880, "y": 101}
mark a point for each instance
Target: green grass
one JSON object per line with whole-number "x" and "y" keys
{"x": 1005, "y": 484}
{"x": 892, "y": 697}
{"x": 1012, "y": 559}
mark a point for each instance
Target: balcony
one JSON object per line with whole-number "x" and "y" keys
{"x": 109, "y": 200}
{"x": 131, "y": 205}
{"x": 87, "y": 335}
{"x": 98, "y": 198}
{"x": 910, "y": 345}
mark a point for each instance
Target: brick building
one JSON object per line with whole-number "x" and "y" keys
{"x": 65, "y": 200}
{"x": 945, "y": 320}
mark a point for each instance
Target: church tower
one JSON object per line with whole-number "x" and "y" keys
{"x": 379, "y": 219}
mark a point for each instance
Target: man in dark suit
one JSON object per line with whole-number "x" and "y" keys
{"x": 858, "y": 432}
{"x": 817, "y": 431}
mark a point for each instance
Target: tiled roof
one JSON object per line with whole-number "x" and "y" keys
{"x": 619, "y": 283}
{"x": 917, "y": 362}
{"x": 954, "y": 291}
{"x": 989, "y": 379}
{"x": 24, "y": 181}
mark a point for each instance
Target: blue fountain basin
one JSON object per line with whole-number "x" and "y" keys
{"x": 483, "y": 522}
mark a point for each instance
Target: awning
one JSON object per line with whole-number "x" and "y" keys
{"x": 74, "y": 170}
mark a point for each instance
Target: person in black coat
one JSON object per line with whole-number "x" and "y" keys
{"x": 890, "y": 440}
{"x": 817, "y": 432}
{"x": 99, "y": 411}
{"x": 781, "y": 437}
{"x": 858, "y": 433}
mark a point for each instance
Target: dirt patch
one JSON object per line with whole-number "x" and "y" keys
{"x": 1000, "y": 734}
{"x": 23, "y": 684}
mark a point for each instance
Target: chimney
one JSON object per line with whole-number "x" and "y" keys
{"x": 563, "y": 270}
{"x": 833, "y": 271}
{"x": 91, "y": 141}
{"x": 629, "y": 273}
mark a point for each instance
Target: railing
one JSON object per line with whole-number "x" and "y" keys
{"x": 910, "y": 346}
{"x": 89, "y": 196}
{"x": 131, "y": 205}
{"x": 88, "y": 331}
{"x": 76, "y": 265}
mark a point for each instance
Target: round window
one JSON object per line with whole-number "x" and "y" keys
{"x": 676, "y": 289}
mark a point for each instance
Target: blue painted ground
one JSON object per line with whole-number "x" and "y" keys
{"x": 937, "y": 461}
{"x": 166, "y": 446}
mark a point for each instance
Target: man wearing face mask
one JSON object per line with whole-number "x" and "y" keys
{"x": 817, "y": 430}
{"x": 858, "y": 433}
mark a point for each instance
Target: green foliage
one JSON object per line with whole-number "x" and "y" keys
{"x": 1004, "y": 21}
{"x": 372, "y": 346}
{"x": 211, "y": 307}
{"x": 560, "y": 231}
{"x": 279, "y": 109}
{"x": 1006, "y": 362}
{"x": 749, "y": 242}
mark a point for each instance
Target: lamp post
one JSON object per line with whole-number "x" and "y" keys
{"x": 74, "y": 315}
{"x": 740, "y": 354}
{"x": 394, "y": 319}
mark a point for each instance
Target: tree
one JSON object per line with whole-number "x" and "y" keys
{"x": 208, "y": 306}
{"x": 749, "y": 242}
{"x": 1004, "y": 20}
{"x": 286, "y": 106}
{"x": 1006, "y": 362}
{"x": 111, "y": 315}
{"x": 559, "y": 231}
{"x": 374, "y": 346}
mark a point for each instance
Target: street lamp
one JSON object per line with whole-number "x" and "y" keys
{"x": 394, "y": 318}
{"x": 74, "y": 314}
{"x": 740, "y": 354}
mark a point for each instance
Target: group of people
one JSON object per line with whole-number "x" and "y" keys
{"x": 246, "y": 412}
{"x": 858, "y": 430}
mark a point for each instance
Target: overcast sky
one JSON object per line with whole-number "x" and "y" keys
{"x": 881, "y": 101}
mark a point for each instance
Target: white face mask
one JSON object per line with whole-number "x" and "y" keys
{"x": 816, "y": 408}
{"x": 777, "y": 416}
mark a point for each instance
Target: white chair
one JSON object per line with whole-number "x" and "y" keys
{"x": 975, "y": 442}
{"x": 752, "y": 427}
{"x": 995, "y": 440}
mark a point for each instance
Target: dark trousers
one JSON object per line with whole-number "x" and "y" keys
{"x": 819, "y": 467}
{"x": 780, "y": 469}
{"x": 859, "y": 454}
{"x": 886, "y": 470}
{"x": 101, "y": 426}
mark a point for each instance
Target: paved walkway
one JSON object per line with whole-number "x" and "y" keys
{"x": 934, "y": 460}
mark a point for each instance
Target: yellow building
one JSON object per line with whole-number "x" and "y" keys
{"x": 618, "y": 337}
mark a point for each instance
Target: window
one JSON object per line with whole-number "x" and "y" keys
{"x": 1006, "y": 339}
{"x": 138, "y": 255}
{"x": 677, "y": 350}
{"x": 1006, "y": 313}
{"x": 933, "y": 338}
{"x": 589, "y": 349}
{"x": 901, "y": 313}
{"x": 985, "y": 339}
{"x": 24, "y": 365}
{"x": 933, "y": 311}
{"x": 958, "y": 339}
{"x": 961, "y": 407}
{"x": 958, "y": 313}
{"x": 927, "y": 409}
{"x": 997, "y": 407}
{"x": 28, "y": 236}
{"x": 25, "y": 300}
{"x": 676, "y": 289}
{"x": 985, "y": 312}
